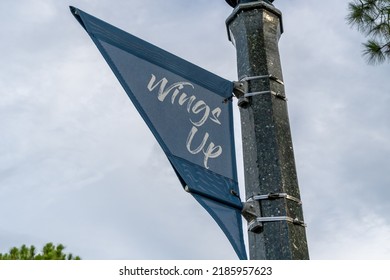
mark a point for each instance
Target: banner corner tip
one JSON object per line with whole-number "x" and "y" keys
{"x": 76, "y": 13}
{"x": 73, "y": 10}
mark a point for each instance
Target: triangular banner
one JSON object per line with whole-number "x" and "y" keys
{"x": 187, "y": 110}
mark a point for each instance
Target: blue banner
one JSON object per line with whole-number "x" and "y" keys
{"x": 188, "y": 112}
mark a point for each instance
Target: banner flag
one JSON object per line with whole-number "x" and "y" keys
{"x": 188, "y": 112}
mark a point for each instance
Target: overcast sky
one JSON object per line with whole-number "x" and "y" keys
{"x": 78, "y": 165}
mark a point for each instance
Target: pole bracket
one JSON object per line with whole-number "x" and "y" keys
{"x": 269, "y": 77}
{"x": 255, "y": 221}
{"x": 241, "y": 89}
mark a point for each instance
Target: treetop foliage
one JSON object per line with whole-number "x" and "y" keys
{"x": 372, "y": 18}
{"x": 49, "y": 252}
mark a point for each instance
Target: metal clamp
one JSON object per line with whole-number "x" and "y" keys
{"x": 256, "y": 225}
{"x": 272, "y": 196}
{"x": 270, "y": 77}
{"x": 276, "y": 94}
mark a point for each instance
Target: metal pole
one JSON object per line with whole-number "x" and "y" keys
{"x": 273, "y": 208}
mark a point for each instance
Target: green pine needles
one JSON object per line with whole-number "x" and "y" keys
{"x": 49, "y": 252}
{"x": 372, "y": 18}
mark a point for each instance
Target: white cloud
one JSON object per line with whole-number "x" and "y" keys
{"x": 364, "y": 236}
{"x": 79, "y": 166}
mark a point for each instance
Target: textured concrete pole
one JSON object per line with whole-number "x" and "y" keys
{"x": 255, "y": 28}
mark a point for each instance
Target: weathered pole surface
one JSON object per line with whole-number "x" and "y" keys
{"x": 275, "y": 226}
